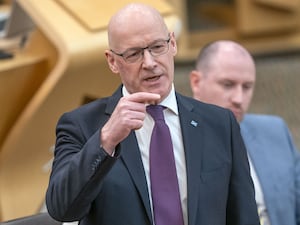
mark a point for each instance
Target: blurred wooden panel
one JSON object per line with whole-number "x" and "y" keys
{"x": 20, "y": 163}
{"x": 19, "y": 79}
{"x": 290, "y": 5}
{"x": 258, "y": 19}
{"x": 95, "y": 14}
{"x": 263, "y": 26}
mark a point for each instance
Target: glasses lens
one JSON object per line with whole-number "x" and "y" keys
{"x": 159, "y": 48}
{"x": 133, "y": 55}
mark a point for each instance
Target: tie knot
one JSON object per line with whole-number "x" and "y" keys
{"x": 156, "y": 112}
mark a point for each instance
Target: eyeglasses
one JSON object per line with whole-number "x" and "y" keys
{"x": 156, "y": 48}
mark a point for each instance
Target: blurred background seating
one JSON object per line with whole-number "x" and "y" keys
{"x": 35, "y": 219}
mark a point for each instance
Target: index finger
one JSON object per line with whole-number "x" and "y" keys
{"x": 144, "y": 97}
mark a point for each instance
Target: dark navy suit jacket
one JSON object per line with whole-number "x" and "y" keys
{"x": 88, "y": 185}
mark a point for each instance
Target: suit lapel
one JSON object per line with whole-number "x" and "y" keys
{"x": 130, "y": 155}
{"x": 133, "y": 161}
{"x": 258, "y": 153}
{"x": 255, "y": 150}
{"x": 191, "y": 126}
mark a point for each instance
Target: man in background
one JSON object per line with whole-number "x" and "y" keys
{"x": 225, "y": 75}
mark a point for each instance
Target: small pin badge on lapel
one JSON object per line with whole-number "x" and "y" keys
{"x": 194, "y": 123}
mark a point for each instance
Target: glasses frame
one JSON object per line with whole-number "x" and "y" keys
{"x": 141, "y": 50}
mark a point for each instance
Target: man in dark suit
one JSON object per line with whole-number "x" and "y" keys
{"x": 101, "y": 171}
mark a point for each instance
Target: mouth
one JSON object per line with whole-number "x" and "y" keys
{"x": 237, "y": 113}
{"x": 153, "y": 78}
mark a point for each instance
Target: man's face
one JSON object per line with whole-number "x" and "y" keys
{"x": 229, "y": 84}
{"x": 153, "y": 74}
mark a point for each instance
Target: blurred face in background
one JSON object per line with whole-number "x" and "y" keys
{"x": 226, "y": 80}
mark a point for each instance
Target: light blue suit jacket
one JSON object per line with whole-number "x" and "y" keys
{"x": 276, "y": 161}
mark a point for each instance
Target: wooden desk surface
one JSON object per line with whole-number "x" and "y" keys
{"x": 19, "y": 60}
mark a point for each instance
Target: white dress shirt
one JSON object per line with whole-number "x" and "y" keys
{"x": 259, "y": 196}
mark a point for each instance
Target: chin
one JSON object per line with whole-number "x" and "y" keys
{"x": 240, "y": 118}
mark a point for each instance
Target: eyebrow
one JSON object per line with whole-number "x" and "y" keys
{"x": 160, "y": 39}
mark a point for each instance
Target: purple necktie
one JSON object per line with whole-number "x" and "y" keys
{"x": 164, "y": 184}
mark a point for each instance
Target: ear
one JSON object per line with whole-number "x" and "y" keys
{"x": 195, "y": 79}
{"x": 110, "y": 58}
{"x": 173, "y": 43}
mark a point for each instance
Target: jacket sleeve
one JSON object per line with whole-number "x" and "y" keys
{"x": 79, "y": 166}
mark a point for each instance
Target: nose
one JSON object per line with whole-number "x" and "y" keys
{"x": 237, "y": 96}
{"x": 148, "y": 59}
